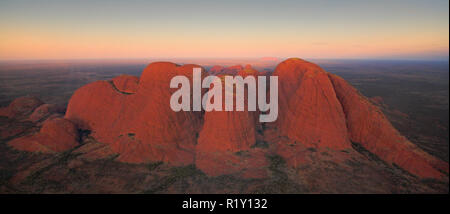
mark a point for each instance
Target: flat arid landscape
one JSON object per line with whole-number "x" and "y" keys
{"x": 105, "y": 126}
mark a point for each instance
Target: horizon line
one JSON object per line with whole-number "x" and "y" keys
{"x": 274, "y": 58}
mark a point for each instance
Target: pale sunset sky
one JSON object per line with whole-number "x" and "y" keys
{"x": 67, "y": 29}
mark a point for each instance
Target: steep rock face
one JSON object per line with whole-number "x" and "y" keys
{"x": 126, "y": 83}
{"x": 20, "y": 107}
{"x": 56, "y": 135}
{"x": 141, "y": 127}
{"x": 309, "y": 111}
{"x": 368, "y": 126}
{"x": 226, "y": 139}
{"x": 228, "y": 130}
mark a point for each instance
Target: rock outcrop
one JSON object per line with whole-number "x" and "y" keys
{"x": 56, "y": 135}
{"x": 318, "y": 113}
{"x": 322, "y": 111}
{"x": 140, "y": 126}
{"x": 310, "y": 113}
{"x": 368, "y": 126}
{"x": 226, "y": 139}
{"x": 20, "y": 107}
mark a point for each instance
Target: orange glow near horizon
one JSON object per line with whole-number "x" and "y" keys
{"x": 426, "y": 37}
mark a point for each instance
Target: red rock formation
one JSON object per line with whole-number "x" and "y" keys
{"x": 317, "y": 111}
{"x": 215, "y": 70}
{"x": 56, "y": 135}
{"x": 140, "y": 127}
{"x": 20, "y": 107}
{"x": 126, "y": 83}
{"x": 227, "y": 130}
{"x": 226, "y": 139}
{"x": 368, "y": 126}
{"x": 321, "y": 110}
{"x": 309, "y": 111}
